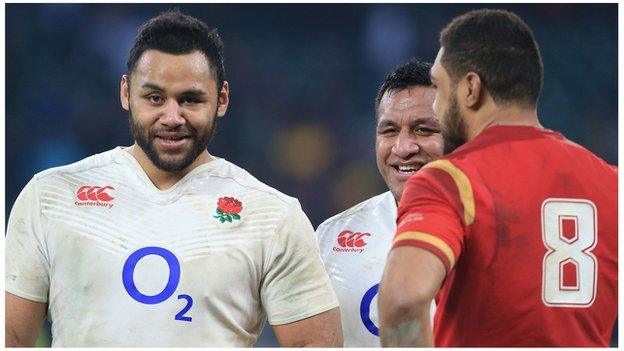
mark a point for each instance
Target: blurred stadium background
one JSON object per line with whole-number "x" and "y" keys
{"x": 303, "y": 79}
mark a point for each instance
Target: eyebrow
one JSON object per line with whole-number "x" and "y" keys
{"x": 418, "y": 121}
{"x": 193, "y": 92}
{"x": 152, "y": 86}
{"x": 189, "y": 92}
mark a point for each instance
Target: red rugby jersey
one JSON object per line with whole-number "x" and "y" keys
{"x": 526, "y": 223}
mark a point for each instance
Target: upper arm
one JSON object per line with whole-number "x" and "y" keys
{"x": 26, "y": 259}
{"x": 321, "y": 330}
{"x": 435, "y": 212}
{"x": 23, "y": 320}
{"x": 428, "y": 240}
{"x": 26, "y": 270}
{"x": 412, "y": 277}
{"x": 295, "y": 284}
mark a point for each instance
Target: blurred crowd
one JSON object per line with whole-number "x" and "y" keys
{"x": 303, "y": 78}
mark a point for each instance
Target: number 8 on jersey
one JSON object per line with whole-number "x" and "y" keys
{"x": 569, "y": 268}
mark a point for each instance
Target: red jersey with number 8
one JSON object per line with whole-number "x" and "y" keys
{"x": 525, "y": 222}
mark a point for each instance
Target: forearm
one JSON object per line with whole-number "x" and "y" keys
{"x": 23, "y": 320}
{"x": 14, "y": 339}
{"x": 411, "y": 280}
{"x": 407, "y": 327}
{"x": 322, "y": 330}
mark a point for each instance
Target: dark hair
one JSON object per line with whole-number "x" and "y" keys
{"x": 499, "y": 47}
{"x": 406, "y": 75}
{"x": 176, "y": 33}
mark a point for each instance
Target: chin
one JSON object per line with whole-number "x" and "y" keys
{"x": 396, "y": 193}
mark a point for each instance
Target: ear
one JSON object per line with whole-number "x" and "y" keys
{"x": 223, "y": 99}
{"x": 124, "y": 92}
{"x": 474, "y": 90}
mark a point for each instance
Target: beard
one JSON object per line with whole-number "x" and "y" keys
{"x": 144, "y": 137}
{"x": 453, "y": 126}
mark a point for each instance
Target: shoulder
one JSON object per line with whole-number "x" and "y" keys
{"x": 385, "y": 201}
{"x": 57, "y": 180}
{"x": 243, "y": 182}
{"x": 96, "y": 163}
{"x": 444, "y": 181}
{"x": 442, "y": 171}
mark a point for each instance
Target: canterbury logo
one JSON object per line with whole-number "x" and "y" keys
{"x": 90, "y": 195}
{"x": 351, "y": 242}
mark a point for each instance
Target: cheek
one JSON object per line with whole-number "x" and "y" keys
{"x": 382, "y": 149}
{"x": 436, "y": 105}
{"x": 433, "y": 146}
{"x": 200, "y": 118}
{"x": 440, "y": 103}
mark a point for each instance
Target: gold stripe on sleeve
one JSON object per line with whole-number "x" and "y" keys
{"x": 463, "y": 185}
{"x": 430, "y": 239}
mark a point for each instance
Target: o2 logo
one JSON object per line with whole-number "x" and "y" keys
{"x": 127, "y": 276}
{"x": 365, "y": 305}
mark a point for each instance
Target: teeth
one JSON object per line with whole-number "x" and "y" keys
{"x": 407, "y": 168}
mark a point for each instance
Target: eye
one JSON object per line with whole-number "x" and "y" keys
{"x": 386, "y": 130}
{"x": 190, "y": 100}
{"x": 424, "y": 131}
{"x": 155, "y": 99}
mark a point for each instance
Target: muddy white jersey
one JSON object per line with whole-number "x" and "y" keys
{"x": 354, "y": 245}
{"x": 122, "y": 263}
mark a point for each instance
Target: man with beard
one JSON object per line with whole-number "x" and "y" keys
{"x": 354, "y": 244}
{"x": 514, "y": 232}
{"x": 161, "y": 243}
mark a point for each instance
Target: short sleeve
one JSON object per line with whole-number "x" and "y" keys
{"x": 26, "y": 259}
{"x": 431, "y": 215}
{"x": 324, "y": 242}
{"x": 295, "y": 285}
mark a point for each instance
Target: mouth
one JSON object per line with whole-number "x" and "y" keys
{"x": 405, "y": 171}
{"x": 172, "y": 140}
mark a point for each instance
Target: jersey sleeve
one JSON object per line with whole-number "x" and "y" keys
{"x": 295, "y": 285}
{"x": 436, "y": 207}
{"x": 324, "y": 242}
{"x": 26, "y": 259}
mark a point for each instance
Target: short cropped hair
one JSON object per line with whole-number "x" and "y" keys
{"x": 499, "y": 47}
{"x": 412, "y": 73}
{"x": 175, "y": 33}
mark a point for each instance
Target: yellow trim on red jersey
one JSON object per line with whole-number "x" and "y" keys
{"x": 463, "y": 185}
{"x": 430, "y": 239}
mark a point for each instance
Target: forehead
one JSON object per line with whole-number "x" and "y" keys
{"x": 410, "y": 102}
{"x": 437, "y": 70}
{"x": 160, "y": 67}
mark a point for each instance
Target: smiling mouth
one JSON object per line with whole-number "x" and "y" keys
{"x": 172, "y": 142}
{"x": 172, "y": 137}
{"x": 406, "y": 169}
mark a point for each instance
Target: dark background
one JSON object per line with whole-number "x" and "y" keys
{"x": 303, "y": 79}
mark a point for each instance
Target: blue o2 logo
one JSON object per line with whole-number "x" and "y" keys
{"x": 365, "y": 306}
{"x": 127, "y": 277}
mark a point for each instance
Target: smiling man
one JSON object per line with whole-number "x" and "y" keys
{"x": 354, "y": 244}
{"x": 162, "y": 243}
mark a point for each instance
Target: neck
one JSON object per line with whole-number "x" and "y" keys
{"x": 512, "y": 115}
{"x": 164, "y": 180}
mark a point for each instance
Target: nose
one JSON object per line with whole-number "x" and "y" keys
{"x": 405, "y": 145}
{"x": 172, "y": 114}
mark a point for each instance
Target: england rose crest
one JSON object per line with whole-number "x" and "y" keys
{"x": 228, "y": 209}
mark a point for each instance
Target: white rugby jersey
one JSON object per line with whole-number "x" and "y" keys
{"x": 354, "y": 246}
{"x": 122, "y": 263}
